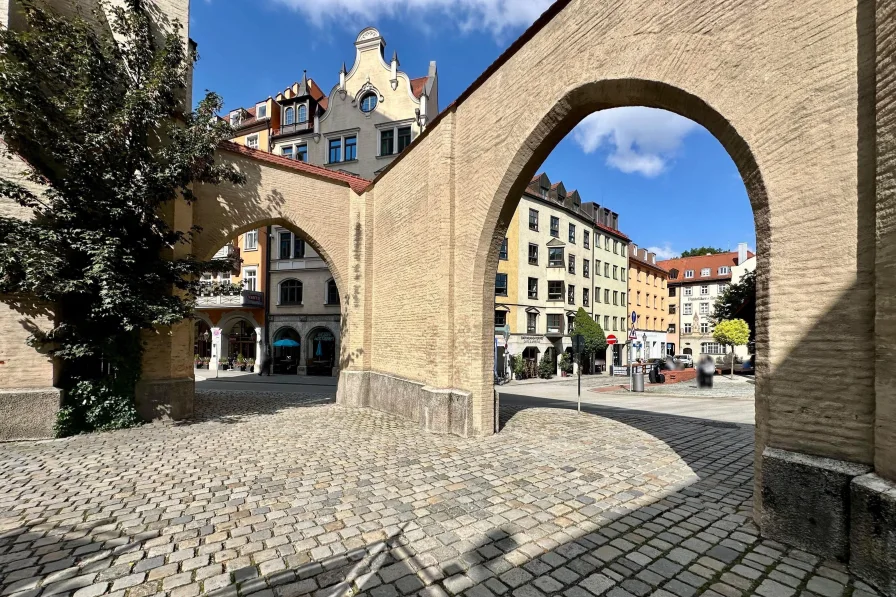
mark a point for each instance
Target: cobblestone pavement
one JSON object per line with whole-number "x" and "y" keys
{"x": 722, "y": 387}
{"x": 283, "y": 495}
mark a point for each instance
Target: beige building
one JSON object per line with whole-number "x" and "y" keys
{"x": 559, "y": 254}
{"x": 368, "y": 118}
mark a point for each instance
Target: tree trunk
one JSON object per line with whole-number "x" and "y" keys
{"x": 732, "y": 362}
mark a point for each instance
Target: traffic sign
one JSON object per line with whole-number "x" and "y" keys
{"x": 611, "y": 340}
{"x": 632, "y": 335}
{"x": 578, "y": 343}
{"x": 634, "y": 317}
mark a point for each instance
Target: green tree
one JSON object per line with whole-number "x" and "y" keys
{"x": 546, "y": 366}
{"x": 732, "y": 332}
{"x": 97, "y": 114}
{"x": 698, "y": 251}
{"x": 738, "y": 300}
{"x": 595, "y": 340}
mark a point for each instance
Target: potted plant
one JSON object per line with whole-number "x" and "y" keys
{"x": 519, "y": 367}
{"x": 546, "y": 367}
{"x": 205, "y": 362}
{"x": 565, "y": 364}
{"x": 251, "y": 363}
{"x": 197, "y": 361}
{"x": 241, "y": 361}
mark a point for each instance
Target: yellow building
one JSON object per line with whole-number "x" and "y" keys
{"x": 252, "y": 126}
{"x": 648, "y": 292}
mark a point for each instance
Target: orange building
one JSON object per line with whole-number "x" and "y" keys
{"x": 647, "y": 294}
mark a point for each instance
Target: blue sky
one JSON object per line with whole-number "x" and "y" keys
{"x": 672, "y": 183}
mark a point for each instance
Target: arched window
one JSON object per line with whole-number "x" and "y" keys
{"x": 291, "y": 292}
{"x": 368, "y": 102}
{"x": 242, "y": 340}
{"x": 303, "y": 114}
{"x": 287, "y": 351}
{"x": 332, "y": 293}
{"x": 290, "y": 116}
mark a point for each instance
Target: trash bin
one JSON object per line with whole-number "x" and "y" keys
{"x": 638, "y": 382}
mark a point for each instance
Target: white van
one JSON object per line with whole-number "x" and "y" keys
{"x": 685, "y": 359}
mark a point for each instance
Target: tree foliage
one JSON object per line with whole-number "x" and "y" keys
{"x": 732, "y": 332}
{"x": 698, "y": 251}
{"x": 738, "y": 300}
{"x": 97, "y": 114}
{"x": 595, "y": 340}
{"x": 546, "y": 367}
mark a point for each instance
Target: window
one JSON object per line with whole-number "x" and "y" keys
{"x": 704, "y": 289}
{"x": 571, "y": 294}
{"x": 368, "y": 103}
{"x": 607, "y": 295}
{"x": 622, "y": 302}
{"x": 572, "y": 264}
{"x": 500, "y": 319}
{"x": 298, "y": 248}
{"x": 638, "y": 298}
{"x": 234, "y": 119}
{"x": 555, "y": 226}
{"x": 303, "y": 114}
{"x": 623, "y": 250}
{"x": 615, "y": 326}
{"x": 606, "y": 270}
{"x": 654, "y": 301}
{"x": 286, "y": 152}
{"x": 291, "y": 292}
{"x": 261, "y": 111}
{"x": 555, "y": 323}
{"x": 533, "y": 254}
{"x": 387, "y": 142}
{"x": 533, "y": 220}
{"x": 704, "y": 327}
{"x": 351, "y": 148}
{"x": 572, "y": 234}
{"x": 252, "y": 141}
{"x": 685, "y": 328}
{"x": 335, "y": 151}
{"x": 606, "y": 243}
{"x": 671, "y": 291}
{"x": 585, "y": 301}
{"x": 502, "y": 253}
{"x": 250, "y": 278}
{"x": 555, "y": 290}
{"x": 615, "y": 272}
{"x": 597, "y": 267}
{"x": 404, "y": 138}
{"x": 555, "y": 256}
{"x": 606, "y": 322}
{"x": 250, "y": 240}
{"x": 615, "y": 297}
{"x": 570, "y": 323}
{"x": 615, "y": 247}
{"x": 724, "y": 270}
{"x": 722, "y": 287}
{"x": 688, "y": 273}
{"x": 672, "y": 309}
{"x": 585, "y": 265}
{"x": 501, "y": 285}
{"x": 597, "y": 241}
{"x": 705, "y": 271}
{"x": 597, "y": 294}
{"x": 533, "y": 288}
{"x": 586, "y": 239}
{"x": 671, "y": 328}
{"x": 688, "y": 291}
{"x": 289, "y": 117}
{"x": 332, "y": 293}
{"x": 302, "y": 153}
{"x": 711, "y": 348}
{"x": 531, "y": 322}
{"x": 704, "y": 308}
{"x": 622, "y": 274}
{"x": 687, "y": 309}
{"x": 285, "y": 245}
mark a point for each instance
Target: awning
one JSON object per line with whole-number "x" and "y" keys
{"x": 532, "y": 310}
{"x": 502, "y": 308}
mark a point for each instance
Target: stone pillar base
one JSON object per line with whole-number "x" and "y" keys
{"x": 435, "y": 410}
{"x": 28, "y": 413}
{"x": 805, "y": 501}
{"x": 165, "y": 399}
{"x": 873, "y": 531}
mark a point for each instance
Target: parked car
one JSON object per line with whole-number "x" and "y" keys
{"x": 685, "y": 359}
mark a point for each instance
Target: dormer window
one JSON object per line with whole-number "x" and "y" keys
{"x": 368, "y": 103}
{"x": 234, "y": 118}
{"x": 705, "y": 272}
{"x": 303, "y": 114}
{"x": 261, "y": 111}
{"x": 688, "y": 273}
{"x": 289, "y": 116}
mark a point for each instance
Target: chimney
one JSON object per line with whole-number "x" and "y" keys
{"x": 741, "y": 253}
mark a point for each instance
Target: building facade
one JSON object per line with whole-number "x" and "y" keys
{"x": 697, "y": 282}
{"x": 647, "y": 291}
{"x": 548, "y": 269}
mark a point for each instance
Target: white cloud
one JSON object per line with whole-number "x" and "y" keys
{"x": 664, "y": 252}
{"x": 641, "y": 140}
{"x": 487, "y": 15}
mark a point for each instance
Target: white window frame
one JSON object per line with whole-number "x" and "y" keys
{"x": 253, "y": 236}
{"x": 724, "y": 270}
{"x": 261, "y": 106}
{"x": 704, "y": 327}
{"x": 342, "y": 136}
{"x": 704, "y": 308}
{"x": 688, "y": 273}
{"x": 704, "y": 290}
{"x": 249, "y": 140}
{"x": 686, "y": 328}
{"x": 687, "y": 309}
{"x": 292, "y": 152}
{"x": 687, "y": 291}
{"x": 245, "y": 277}
{"x": 706, "y": 271}
{"x": 235, "y": 118}
{"x": 394, "y": 126}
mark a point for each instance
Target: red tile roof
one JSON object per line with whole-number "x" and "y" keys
{"x": 417, "y": 86}
{"x": 713, "y": 262}
{"x": 356, "y": 183}
{"x": 611, "y": 231}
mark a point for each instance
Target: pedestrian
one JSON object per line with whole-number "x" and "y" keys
{"x": 265, "y": 363}
{"x": 706, "y": 371}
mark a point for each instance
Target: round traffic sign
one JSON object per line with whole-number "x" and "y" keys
{"x": 611, "y": 340}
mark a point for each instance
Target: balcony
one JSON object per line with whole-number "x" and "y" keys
{"x": 244, "y": 299}
{"x": 292, "y": 129}
{"x": 227, "y": 252}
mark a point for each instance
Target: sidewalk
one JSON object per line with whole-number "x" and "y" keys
{"x": 588, "y": 381}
